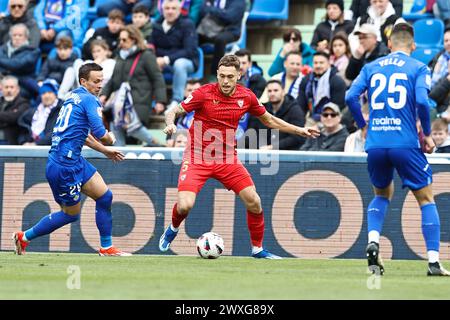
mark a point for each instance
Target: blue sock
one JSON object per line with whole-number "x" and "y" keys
{"x": 376, "y": 212}
{"x": 103, "y": 218}
{"x": 50, "y": 223}
{"x": 431, "y": 226}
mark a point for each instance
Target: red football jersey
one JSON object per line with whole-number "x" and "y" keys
{"x": 213, "y": 130}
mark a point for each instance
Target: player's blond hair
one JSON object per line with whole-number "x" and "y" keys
{"x": 402, "y": 39}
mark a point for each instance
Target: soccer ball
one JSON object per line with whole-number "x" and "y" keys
{"x": 210, "y": 245}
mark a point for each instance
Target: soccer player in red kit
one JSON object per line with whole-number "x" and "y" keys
{"x": 211, "y": 150}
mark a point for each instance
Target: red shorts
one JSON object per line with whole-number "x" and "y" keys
{"x": 194, "y": 175}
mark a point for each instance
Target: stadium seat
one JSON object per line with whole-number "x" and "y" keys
{"x": 232, "y": 47}
{"x": 4, "y": 7}
{"x": 429, "y": 33}
{"x": 38, "y": 67}
{"x": 417, "y": 11}
{"x": 264, "y": 10}
{"x": 99, "y": 23}
{"x": 424, "y": 55}
{"x": 242, "y": 41}
{"x": 197, "y": 74}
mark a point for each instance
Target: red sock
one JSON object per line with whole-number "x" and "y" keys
{"x": 177, "y": 218}
{"x": 255, "y": 223}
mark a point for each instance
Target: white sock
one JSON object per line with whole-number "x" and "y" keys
{"x": 173, "y": 228}
{"x": 106, "y": 248}
{"x": 433, "y": 256}
{"x": 256, "y": 250}
{"x": 24, "y": 238}
{"x": 374, "y": 236}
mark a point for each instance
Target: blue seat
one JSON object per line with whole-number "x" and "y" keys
{"x": 197, "y": 74}
{"x": 232, "y": 47}
{"x": 99, "y": 23}
{"x": 264, "y": 10}
{"x": 38, "y": 67}
{"x": 242, "y": 41}
{"x": 429, "y": 33}
{"x": 417, "y": 11}
{"x": 425, "y": 55}
{"x": 4, "y": 7}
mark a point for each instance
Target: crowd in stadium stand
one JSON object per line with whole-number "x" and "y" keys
{"x": 149, "y": 49}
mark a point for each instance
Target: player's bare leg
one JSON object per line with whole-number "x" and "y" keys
{"x": 375, "y": 217}
{"x": 181, "y": 209}
{"x": 255, "y": 222}
{"x": 97, "y": 189}
{"x": 430, "y": 230}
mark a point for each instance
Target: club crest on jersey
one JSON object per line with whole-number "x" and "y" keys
{"x": 240, "y": 103}
{"x": 215, "y": 101}
{"x": 183, "y": 177}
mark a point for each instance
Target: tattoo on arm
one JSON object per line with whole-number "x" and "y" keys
{"x": 173, "y": 114}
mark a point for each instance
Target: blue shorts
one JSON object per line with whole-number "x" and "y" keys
{"x": 66, "y": 181}
{"x": 411, "y": 165}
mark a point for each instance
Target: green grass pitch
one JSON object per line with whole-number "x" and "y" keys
{"x": 45, "y": 276}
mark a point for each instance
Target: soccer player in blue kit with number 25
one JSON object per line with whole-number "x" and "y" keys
{"x": 397, "y": 88}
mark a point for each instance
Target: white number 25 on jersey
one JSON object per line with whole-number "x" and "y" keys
{"x": 379, "y": 81}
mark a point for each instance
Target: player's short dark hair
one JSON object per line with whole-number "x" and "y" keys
{"x": 116, "y": 14}
{"x": 140, "y": 8}
{"x": 323, "y": 54}
{"x": 230, "y": 60}
{"x": 243, "y": 53}
{"x": 274, "y": 81}
{"x": 402, "y": 34}
{"x": 439, "y": 125}
{"x": 85, "y": 70}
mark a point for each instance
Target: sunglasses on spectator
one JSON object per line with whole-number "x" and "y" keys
{"x": 19, "y": 6}
{"x": 123, "y": 39}
{"x": 329, "y": 114}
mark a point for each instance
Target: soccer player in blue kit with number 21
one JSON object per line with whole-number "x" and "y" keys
{"x": 68, "y": 173}
{"x": 397, "y": 87}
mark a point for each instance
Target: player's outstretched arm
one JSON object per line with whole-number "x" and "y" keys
{"x": 276, "y": 123}
{"x": 176, "y": 112}
{"x": 113, "y": 154}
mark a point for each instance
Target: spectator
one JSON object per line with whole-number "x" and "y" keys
{"x": 18, "y": 14}
{"x": 189, "y": 8}
{"x": 175, "y": 43}
{"x": 102, "y": 56}
{"x": 126, "y": 6}
{"x": 356, "y": 141}
{"x": 19, "y": 59}
{"x": 292, "y": 77}
{"x": 38, "y": 123}
{"x": 110, "y": 34}
{"x": 141, "y": 20}
{"x": 334, "y": 23}
{"x": 340, "y": 54}
{"x": 227, "y": 15}
{"x": 55, "y": 68}
{"x": 439, "y": 133}
{"x": 12, "y": 106}
{"x": 146, "y": 81}
{"x": 333, "y": 133}
{"x": 321, "y": 86}
{"x": 380, "y": 14}
{"x": 57, "y": 18}
{"x": 292, "y": 39}
{"x": 441, "y": 10}
{"x": 286, "y": 108}
{"x": 359, "y": 8}
{"x": 179, "y": 139}
{"x": 251, "y": 73}
{"x": 369, "y": 50}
